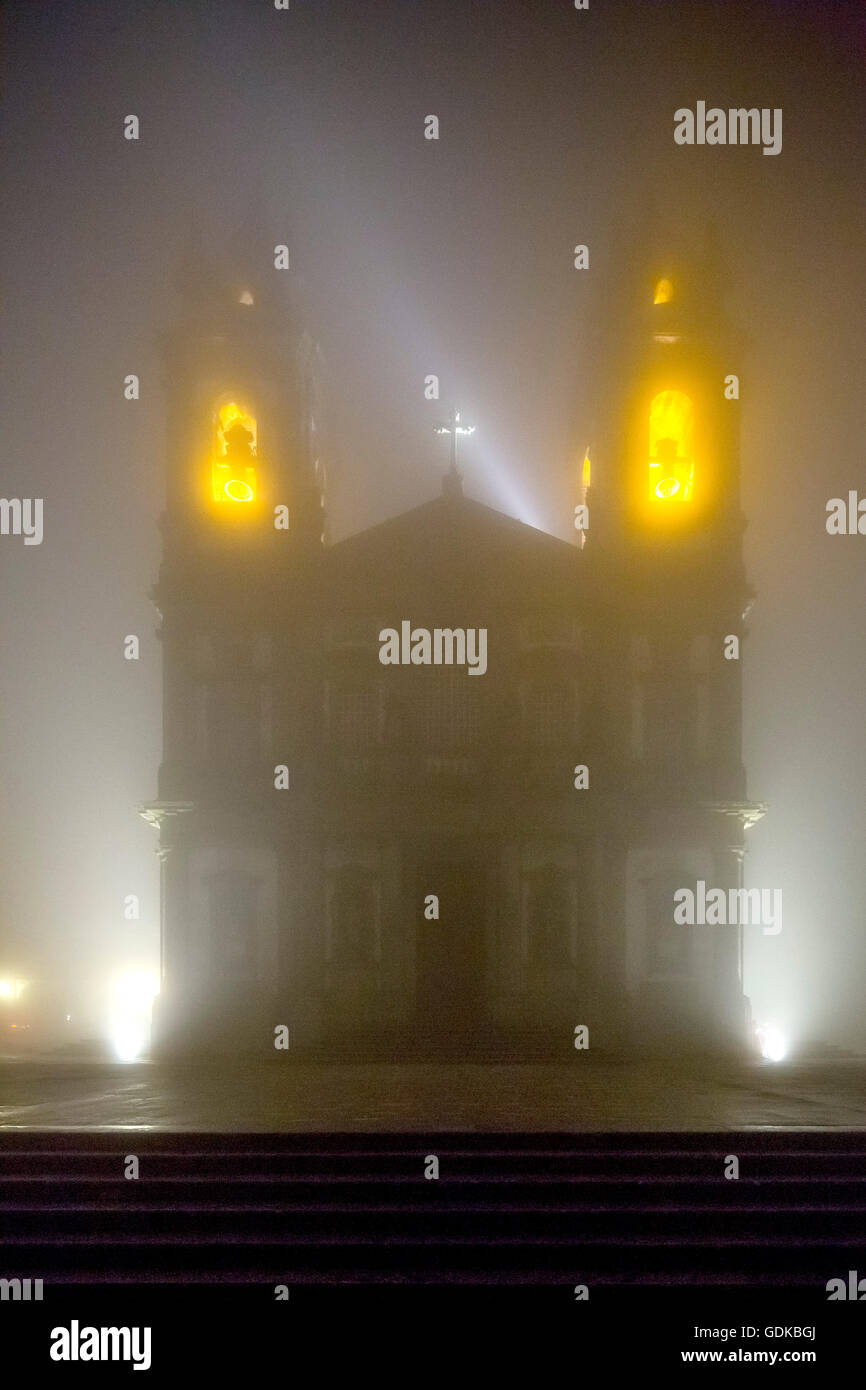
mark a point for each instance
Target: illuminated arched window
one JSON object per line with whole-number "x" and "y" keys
{"x": 671, "y": 449}
{"x": 234, "y": 455}
{"x": 663, "y": 292}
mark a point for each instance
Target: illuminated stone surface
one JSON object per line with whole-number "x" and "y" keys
{"x": 297, "y": 1096}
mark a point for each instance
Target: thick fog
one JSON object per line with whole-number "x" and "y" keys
{"x": 407, "y": 258}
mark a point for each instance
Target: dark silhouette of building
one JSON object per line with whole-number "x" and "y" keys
{"x": 371, "y": 854}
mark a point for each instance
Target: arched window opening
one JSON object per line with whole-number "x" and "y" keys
{"x": 671, "y": 446}
{"x": 233, "y": 473}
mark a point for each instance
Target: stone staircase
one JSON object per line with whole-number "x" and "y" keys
{"x": 313, "y": 1210}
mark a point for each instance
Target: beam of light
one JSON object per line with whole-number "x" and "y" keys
{"x": 774, "y": 1047}
{"x": 404, "y": 316}
{"x": 486, "y": 474}
{"x": 132, "y": 998}
{"x": 516, "y": 503}
{"x": 513, "y": 499}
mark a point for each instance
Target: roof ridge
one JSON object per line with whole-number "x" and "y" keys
{"x": 455, "y": 505}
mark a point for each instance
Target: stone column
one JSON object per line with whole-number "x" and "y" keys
{"x": 730, "y": 1006}
{"x": 172, "y": 1008}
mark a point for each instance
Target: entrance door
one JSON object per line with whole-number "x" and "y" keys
{"x": 449, "y": 953}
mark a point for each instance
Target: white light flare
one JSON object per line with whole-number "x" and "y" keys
{"x": 774, "y": 1047}
{"x": 132, "y": 999}
{"x": 491, "y": 474}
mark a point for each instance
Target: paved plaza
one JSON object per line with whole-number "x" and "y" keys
{"x": 48, "y": 1093}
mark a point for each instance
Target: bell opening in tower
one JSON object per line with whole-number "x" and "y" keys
{"x": 234, "y": 475}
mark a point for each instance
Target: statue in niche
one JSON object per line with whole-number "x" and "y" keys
{"x": 239, "y": 443}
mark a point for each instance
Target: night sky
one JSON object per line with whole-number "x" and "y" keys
{"x": 411, "y": 257}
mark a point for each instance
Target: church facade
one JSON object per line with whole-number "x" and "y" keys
{"x": 438, "y": 784}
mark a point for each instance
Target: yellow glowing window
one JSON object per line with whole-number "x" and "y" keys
{"x": 233, "y": 473}
{"x": 671, "y": 452}
{"x": 664, "y": 292}
{"x": 586, "y": 469}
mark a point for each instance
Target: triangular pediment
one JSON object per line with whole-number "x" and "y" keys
{"x": 454, "y": 546}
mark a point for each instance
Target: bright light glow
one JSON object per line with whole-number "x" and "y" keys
{"x": 454, "y": 426}
{"x": 586, "y": 468}
{"x": 498, "y": 481}
{"x": 230, "y": 415}
{"x": 132, "y": 999}
{"x": 667, "y": 487}
{"x": 238, "y": 490}
{"x": 233, "y": 472}
{"x": 11, "y": 989}
{"x": 671, "y": 434}
{"x": 773, "y": 1046}
{"x": 664, "y": 292}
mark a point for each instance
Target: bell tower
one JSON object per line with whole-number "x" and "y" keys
{"x": 664, "y": 545}
{"x": 667, "y": 446}
{"x": 244, "y": 428}
{"x": 243, "y": 533}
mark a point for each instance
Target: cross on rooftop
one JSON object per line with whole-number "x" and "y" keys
{"x": 453, "y": 427}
